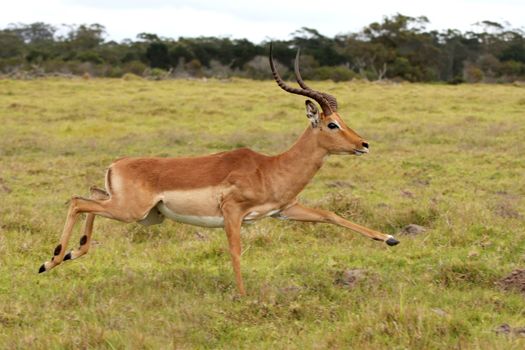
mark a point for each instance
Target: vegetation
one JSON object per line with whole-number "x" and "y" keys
{"x": 399, "y": 47}
{"x": 449, "y": 158}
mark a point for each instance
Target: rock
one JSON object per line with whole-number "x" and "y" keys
{"x": 413, "y": 229}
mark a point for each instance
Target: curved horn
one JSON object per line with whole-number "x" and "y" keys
{"x": 297, "y": 73}
{"x": 317, "y": 96}
{"x": 332, "y": 102}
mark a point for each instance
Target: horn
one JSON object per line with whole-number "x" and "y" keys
{"x": 315, "y": 95}
{"x": 332, "y": 102}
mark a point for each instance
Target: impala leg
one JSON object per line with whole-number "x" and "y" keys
{"x": 85, "y": 240}
{"x": 78, "y": 205}
{"x": 299, "y": 212}
{"x": 232, "y": 226}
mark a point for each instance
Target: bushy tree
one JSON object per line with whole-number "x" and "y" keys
{"x": 398, "y": 47}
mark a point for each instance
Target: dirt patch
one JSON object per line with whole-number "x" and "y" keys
{"x": 515, "y": 281}
{"x": 413, "y": 229}
{"x": 3, "y": 186}
{"x": 351, "y": 278}
{"x": 340, "y": 184}
{"x": 506, "y": 209}
{"x": 407, "y": 194}
{"x": 201, "y": 236}
{"x": 291, "y": 291}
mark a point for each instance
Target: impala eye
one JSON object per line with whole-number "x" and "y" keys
{"x": 333, "y": 126}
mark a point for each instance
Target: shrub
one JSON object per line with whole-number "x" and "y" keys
{"x": 194, "y": 68}
{"x": 156, "y": 73}
{"x": 472, "y": 74}
{"x": 131, "y": 77}
{"x": 258, "y": 68}
{"x": 134, "y": 67}
{"x": 339, "y": 73}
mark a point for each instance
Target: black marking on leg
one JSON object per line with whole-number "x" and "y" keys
{"x": 83, "y": 240}
{"x": 377, "y": 239}
{"x": 42, "y": 268}
{"x": 58, "y": 249}
{"x": 68, "y": 256}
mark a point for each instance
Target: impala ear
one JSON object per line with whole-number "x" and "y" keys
{"x": 312, "y": 113}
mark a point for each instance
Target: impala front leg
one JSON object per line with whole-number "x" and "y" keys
{"x": 232, "y": 226}
{"x": 299, "y": 212}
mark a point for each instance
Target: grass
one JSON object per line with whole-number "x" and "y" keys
{"x": 450, "y": 158}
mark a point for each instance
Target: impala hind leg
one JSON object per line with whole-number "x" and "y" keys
{"x": 85, "y": 240}
{"x": 78, "y": 205}
{"x": 299, "y": 212}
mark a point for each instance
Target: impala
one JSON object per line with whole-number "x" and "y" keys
{"x": 224, "y": 189}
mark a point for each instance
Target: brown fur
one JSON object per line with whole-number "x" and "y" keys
{"x": 240, "y": 183}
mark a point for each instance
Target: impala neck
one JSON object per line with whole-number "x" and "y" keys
{"x": 299, "y": 164}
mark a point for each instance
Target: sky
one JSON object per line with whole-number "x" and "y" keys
{"x": 254, "y": 20}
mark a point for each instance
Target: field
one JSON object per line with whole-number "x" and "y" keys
{"x": 449, "y": 158}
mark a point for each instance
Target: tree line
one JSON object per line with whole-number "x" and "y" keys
{"x": 399, "y": 47}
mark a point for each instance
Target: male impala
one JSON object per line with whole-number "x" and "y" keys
{"x": 225, "y": 189}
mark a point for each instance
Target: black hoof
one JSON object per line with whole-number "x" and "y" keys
{"x": 392, "y": 241}
{"x": 67, "y": 256}
{"x": 42, "y": 268}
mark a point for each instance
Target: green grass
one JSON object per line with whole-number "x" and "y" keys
{"x": 450, "y": 158}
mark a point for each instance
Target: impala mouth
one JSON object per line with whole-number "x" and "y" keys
{"x": 361, "y": 151}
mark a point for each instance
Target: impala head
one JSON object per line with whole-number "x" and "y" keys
{"x": 331, "y": 131}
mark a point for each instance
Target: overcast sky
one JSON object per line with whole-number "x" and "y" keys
{"x": 257, "y": 21}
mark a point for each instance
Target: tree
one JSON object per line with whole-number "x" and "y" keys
{"x": 514, "y": 52}
{"x": 11, "y": 44}
{"x": 86, "y": 37}
{"x": 157, "y": 55}
{"x": 34, "y": 33}
{"x": 398, "y": 46}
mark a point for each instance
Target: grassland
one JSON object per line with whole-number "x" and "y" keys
{"x": 450, "y": 158}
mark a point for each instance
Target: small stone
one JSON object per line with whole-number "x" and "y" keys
{"x": 413, "y": 229}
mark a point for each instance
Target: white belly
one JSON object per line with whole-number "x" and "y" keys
{"x": 199, "y": 207}
{"x": 205, "y": 221}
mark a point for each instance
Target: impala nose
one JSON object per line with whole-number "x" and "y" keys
{"x": 365, "y": 144}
